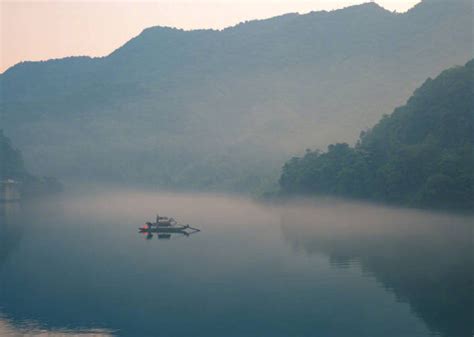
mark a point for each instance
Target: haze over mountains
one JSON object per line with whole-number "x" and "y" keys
{"x": 420, "y": 155}
{"x": 224, "y": 109}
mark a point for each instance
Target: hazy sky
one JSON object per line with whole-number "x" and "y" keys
{"x": 40, "y": 30}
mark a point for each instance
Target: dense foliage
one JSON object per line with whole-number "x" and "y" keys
{"x": 12, "y": 167}
{"x": 11, "y": 161}
{"x": 422, "y": 154}
{"x": 224, "y": 109}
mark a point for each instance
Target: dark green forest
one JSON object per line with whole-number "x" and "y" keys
{"x": 420, "y": 155}
{"x": 11, "y": 161}
{"x": 13, "y": 167}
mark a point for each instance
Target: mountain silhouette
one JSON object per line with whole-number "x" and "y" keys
{"x": 223, "y": 109}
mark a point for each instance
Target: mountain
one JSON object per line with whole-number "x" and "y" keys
{"x": 13, "y": 167}
{"x": 223, "y": 109}
{"x": 11, "y": 161}
{"x": 422, "y": 154}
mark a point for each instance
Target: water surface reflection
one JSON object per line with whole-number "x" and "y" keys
{"x": 425, "y": 258}
{"x": 7, "y": 329}
{"x": 79, "y": 264}
{"x": 10, "y": 230}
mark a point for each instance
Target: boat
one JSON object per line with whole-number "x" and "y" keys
{"x": 164, "y": 221}
{"x": 164, "y": 225}
{"x": 163, "y": 229}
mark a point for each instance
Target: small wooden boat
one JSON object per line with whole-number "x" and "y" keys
{"x": 166, "y": 225}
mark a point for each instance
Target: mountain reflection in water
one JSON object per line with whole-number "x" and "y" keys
{"x": 78, "y": 266}
{"x": 425, "y": 258}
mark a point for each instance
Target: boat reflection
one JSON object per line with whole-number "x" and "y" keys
{"x": 164, "y": 235}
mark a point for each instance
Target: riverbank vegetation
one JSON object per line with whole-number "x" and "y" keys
{"x": 12, "y": 167}
{"x": 420, "y": 155}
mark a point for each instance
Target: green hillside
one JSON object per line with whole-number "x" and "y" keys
{"x": 422, "y": 154}
{"x": 12, "y": 167}
{"x": 11, "y": 161}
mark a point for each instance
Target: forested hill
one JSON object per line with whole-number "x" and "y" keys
{"x": 11, "y": 161}
{"x": 13, "y": 167}
{"x": 222, "y": 109}
{"x": 422, "y": 154}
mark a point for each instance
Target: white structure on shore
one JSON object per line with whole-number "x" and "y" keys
{"x": 9, "y": 190}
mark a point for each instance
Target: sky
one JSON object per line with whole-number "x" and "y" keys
{"x": 39, "y": 30}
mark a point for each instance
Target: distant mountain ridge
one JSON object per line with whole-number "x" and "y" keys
{"x": 223, "y": 109}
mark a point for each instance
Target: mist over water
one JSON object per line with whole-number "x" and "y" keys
{"x": 360, "y": 102}
{"x": 77, "y": 264}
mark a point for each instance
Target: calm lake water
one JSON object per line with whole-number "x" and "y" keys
{"x": 78, "y": 266}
